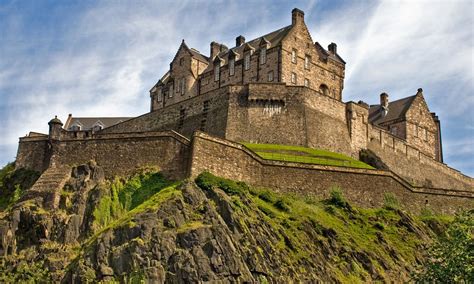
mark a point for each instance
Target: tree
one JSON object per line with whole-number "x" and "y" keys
{"x": 451, "y": 257}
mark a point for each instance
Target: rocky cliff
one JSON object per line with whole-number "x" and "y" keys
{"x": 144, "y": 227}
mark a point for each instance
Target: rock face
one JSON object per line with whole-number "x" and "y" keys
{"x": 207, "y": 231}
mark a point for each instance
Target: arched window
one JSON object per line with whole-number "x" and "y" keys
{"x": 324, "y": 89}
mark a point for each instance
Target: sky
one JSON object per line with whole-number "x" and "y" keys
{"x": 100, "y": 58}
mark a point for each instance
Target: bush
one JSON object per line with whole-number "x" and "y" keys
{"x": 337, "y": 199}
{"x": 390, "y": 202}
{"x": 266, "y": 196}
{"x": 14, "y": 183}
{"x": 451, "y": 257}
{"x": 281, "y": 204}
{"x": 207, "y": 181}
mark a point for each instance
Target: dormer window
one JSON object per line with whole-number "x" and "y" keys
{"x": 75, "y": 127}
{"x": 217, "y": 70}
{"x": 97, "y": 126}
{"x": 263, "y": 55}
{"x": 232, "y": 67}
{"x": 247, "y": 61}
{"x": 293, "y": 56}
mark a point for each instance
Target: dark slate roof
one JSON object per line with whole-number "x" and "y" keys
{"x": 274, "y": 38}
{"x": 196, "y": 54}
{"x": 325, "y": 54}
{"x": 396, "y": 110}
{"x": 87, "y": 123}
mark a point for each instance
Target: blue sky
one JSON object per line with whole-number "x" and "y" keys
{"x": 100, "y": 58}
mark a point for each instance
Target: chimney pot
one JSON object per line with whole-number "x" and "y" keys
{"x": 332, "y": 48}
{"x": 297, "y": 16}
{"x": 239, "y": 40}
{"x": 384, "y": 100}
{"x": 420, "y": 90}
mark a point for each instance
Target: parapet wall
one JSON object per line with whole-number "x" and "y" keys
{"x": 117, "y": 154}
{"x": 413, "y": 165}
{"x": 362, "y": 187}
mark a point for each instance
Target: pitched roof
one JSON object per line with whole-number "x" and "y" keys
{"x": 325, "y": 54}
{"x": 396, "y": 110}
{"x": 274, "y": 38}
{"x": 87, "y": 123}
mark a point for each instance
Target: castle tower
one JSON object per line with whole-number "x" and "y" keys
{"x": 55, "y": 126}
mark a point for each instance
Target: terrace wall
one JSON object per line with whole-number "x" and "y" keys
{"x": 365, "y": 188}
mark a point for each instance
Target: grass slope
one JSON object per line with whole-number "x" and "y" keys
{"x": 301, "y": 154}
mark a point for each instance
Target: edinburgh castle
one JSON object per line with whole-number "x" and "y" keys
{"x": 282, "y": 88}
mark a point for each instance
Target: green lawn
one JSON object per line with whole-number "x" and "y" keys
{"x": 304, "y": 155}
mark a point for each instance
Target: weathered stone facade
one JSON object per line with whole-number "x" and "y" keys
{"x": 232, "y": 96}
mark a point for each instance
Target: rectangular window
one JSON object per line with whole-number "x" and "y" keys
{"x": 307, "y": 61}
{"x": 293, "y": 56}
{"x": 247, "y": 61}
{"x": 293, "y": 78}
{"x": 183, "y": 86}
{"x": 159, "y": 97}
{"x": 171, "y": 91}
{"x": 270, "y": 76}
{"x": 416, "y": 130}
{"x": 217, "y": 70}
{"x": 263, "y": 55}
{"x": 232, "y": 67}
{"x": 306, "y": 82}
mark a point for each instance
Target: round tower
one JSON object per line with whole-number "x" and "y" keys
{"x": 55, "y": 126}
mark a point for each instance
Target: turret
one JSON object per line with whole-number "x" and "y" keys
{"x": 55, "y": 126}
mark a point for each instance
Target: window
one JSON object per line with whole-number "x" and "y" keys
{"x": 426, "y": 135}
{"x": 178, "y": 86}
{"x": 416, "y": 130}
{"x": 324, "y": 89}
{"x": 97, "y": 127}
{"x": 293, "y": 78}
{"x": 159, "y": 97}
{"x": 263, "y": 55}
{"x": 306, "y": 82}
{"x": 232, "y": 67}
{"x": 270, "y": 76}
{"x": 217, "y": 70}
{"x": 171, "y": 91}
{"x": 293, "y": 56}
{"x": 307, "y": 61}
{"x": 181, "y": 61}
{"x": 394, "y": 130}
{"x": 183, "y": 85}
{"x": 75, "y": 127}
{"x": 247, "y": 61}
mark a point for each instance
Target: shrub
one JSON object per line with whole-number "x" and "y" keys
{"x": 281, "y": 204}
{"x": 390, "y": 202}
{"x": 207, "y": 181}
{"x": 266, "y": 196}
{"x": 337, "y": 199}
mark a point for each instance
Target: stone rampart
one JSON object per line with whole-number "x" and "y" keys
{"x": 362, "y": 187}
{"x": 415, "y": 166}
{"x": 117, "y": 154}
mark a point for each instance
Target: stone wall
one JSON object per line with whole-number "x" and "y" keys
{"x": 117, "y": 154}
{"x": 365, "y": 188}
{"x": 413, "y": 165}
{"x": 33, "y": 153}
{"x": 207, "y": 112}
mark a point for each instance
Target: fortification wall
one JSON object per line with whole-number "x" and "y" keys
{"x": 207, "y": 112}
{"x": 33, "y": 153}
{"x": 415, "y": 166}
{"x": 362, "y": 187}
{"x": 117, "y": 154}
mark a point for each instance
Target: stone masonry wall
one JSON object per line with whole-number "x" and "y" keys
{"x": 414, "y": 165}
{"x": 118, "y": 154}
{"x": 33, "y": 153}
{"x": 365, "y": 188}
{"x": 207, "y": 112}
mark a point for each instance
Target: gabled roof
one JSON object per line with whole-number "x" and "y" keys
{"x": 193, "y": 52}
{"x": 396, "y": 110}
{"x": 326, "y": 54}
{"x": 274, "y": 38}
{"x": 87, "y": 123}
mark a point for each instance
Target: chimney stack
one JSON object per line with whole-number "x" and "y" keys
{"x": 215, "y": 49}
{"x": 420, "y": 91}
{"x": 384, "y": 100}
{"x": 239, "y": 40}
{"x": 332, "y": 48}
{"x": 297, "y": 17}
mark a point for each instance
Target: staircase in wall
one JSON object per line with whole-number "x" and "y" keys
{"x": 47, "y": 188}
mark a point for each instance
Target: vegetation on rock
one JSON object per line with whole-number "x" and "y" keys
{"x": 145, "y": 227}
{"x": 13, "y": 184}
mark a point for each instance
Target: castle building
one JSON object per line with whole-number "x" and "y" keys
{"x": 280, "y": 88}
